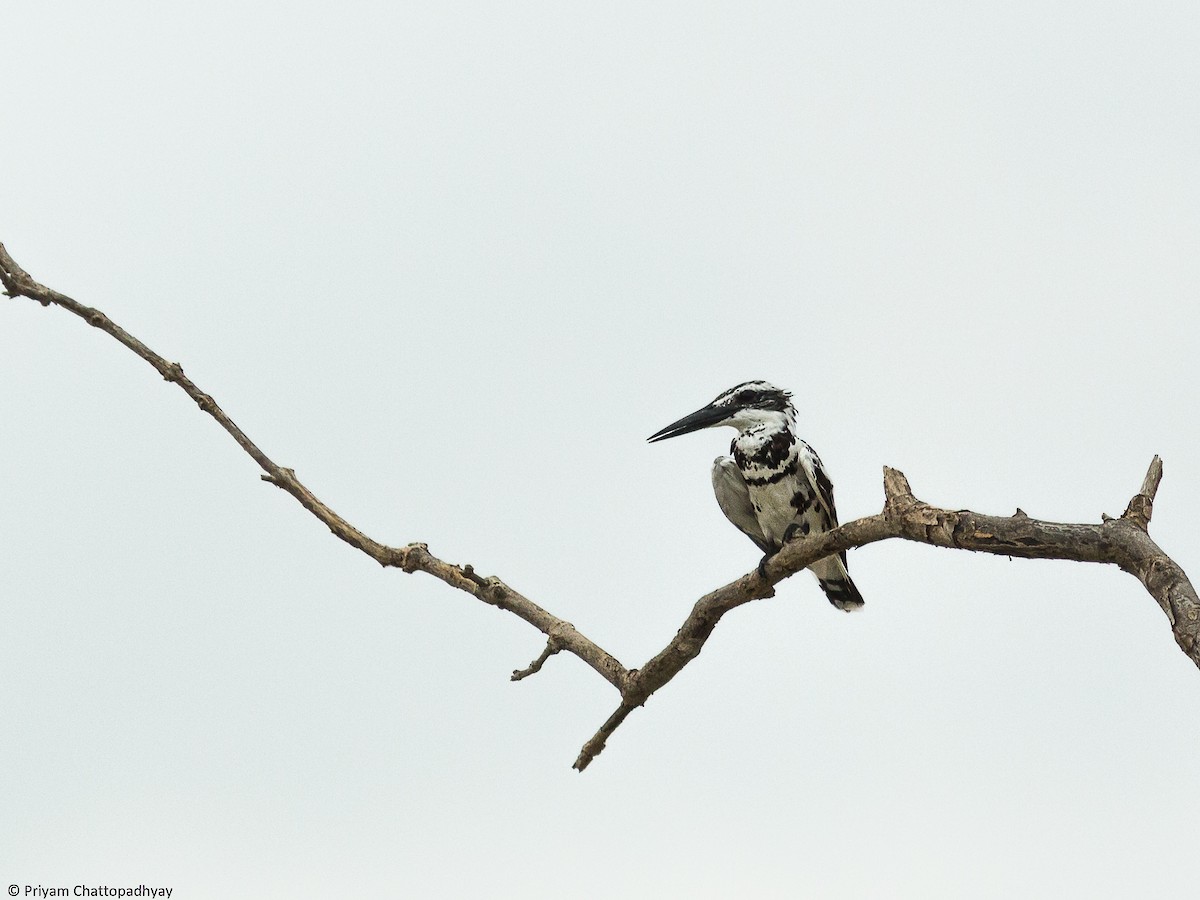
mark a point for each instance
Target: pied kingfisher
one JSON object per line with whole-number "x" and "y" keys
{"x": 773, "y": 486}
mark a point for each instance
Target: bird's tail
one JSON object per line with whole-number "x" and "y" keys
{"x": 835, "y": 581}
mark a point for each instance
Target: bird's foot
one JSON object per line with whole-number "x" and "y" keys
{"x": 762, "y": 564}
{"x": 791, "y": 532}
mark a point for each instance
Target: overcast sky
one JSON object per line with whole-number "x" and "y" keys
{"x": 453, "y": 263}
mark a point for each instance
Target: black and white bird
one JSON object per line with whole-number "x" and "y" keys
{"x": 773, "y": 485}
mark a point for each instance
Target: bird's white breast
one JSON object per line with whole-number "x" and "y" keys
{"x": 771, "y": 462}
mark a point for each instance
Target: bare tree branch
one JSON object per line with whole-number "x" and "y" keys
{"x": 1124, "y": 542}
{"x": 411, "y": 558}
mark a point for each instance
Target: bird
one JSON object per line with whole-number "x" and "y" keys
{"x": 772, "y": 486}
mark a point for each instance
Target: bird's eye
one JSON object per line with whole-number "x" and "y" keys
{"x": 746, "y": 396}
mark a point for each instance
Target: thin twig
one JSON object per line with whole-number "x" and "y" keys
{"x": 536, "y": 666}
{"x": 595, "y": 746}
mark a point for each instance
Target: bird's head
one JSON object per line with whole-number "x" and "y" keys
{"x": 743, "y": 407}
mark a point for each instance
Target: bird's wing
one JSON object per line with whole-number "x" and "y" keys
{"x": 733, "y": 496}
{"x": 822, "y": 487}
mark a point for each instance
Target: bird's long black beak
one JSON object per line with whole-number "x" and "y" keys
{"x": 701, "y": 418}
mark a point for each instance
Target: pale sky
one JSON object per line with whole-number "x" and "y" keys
{"x": 453, "y": 263}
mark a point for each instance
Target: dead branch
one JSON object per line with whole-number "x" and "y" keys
{"x": 1124, "y": 542}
